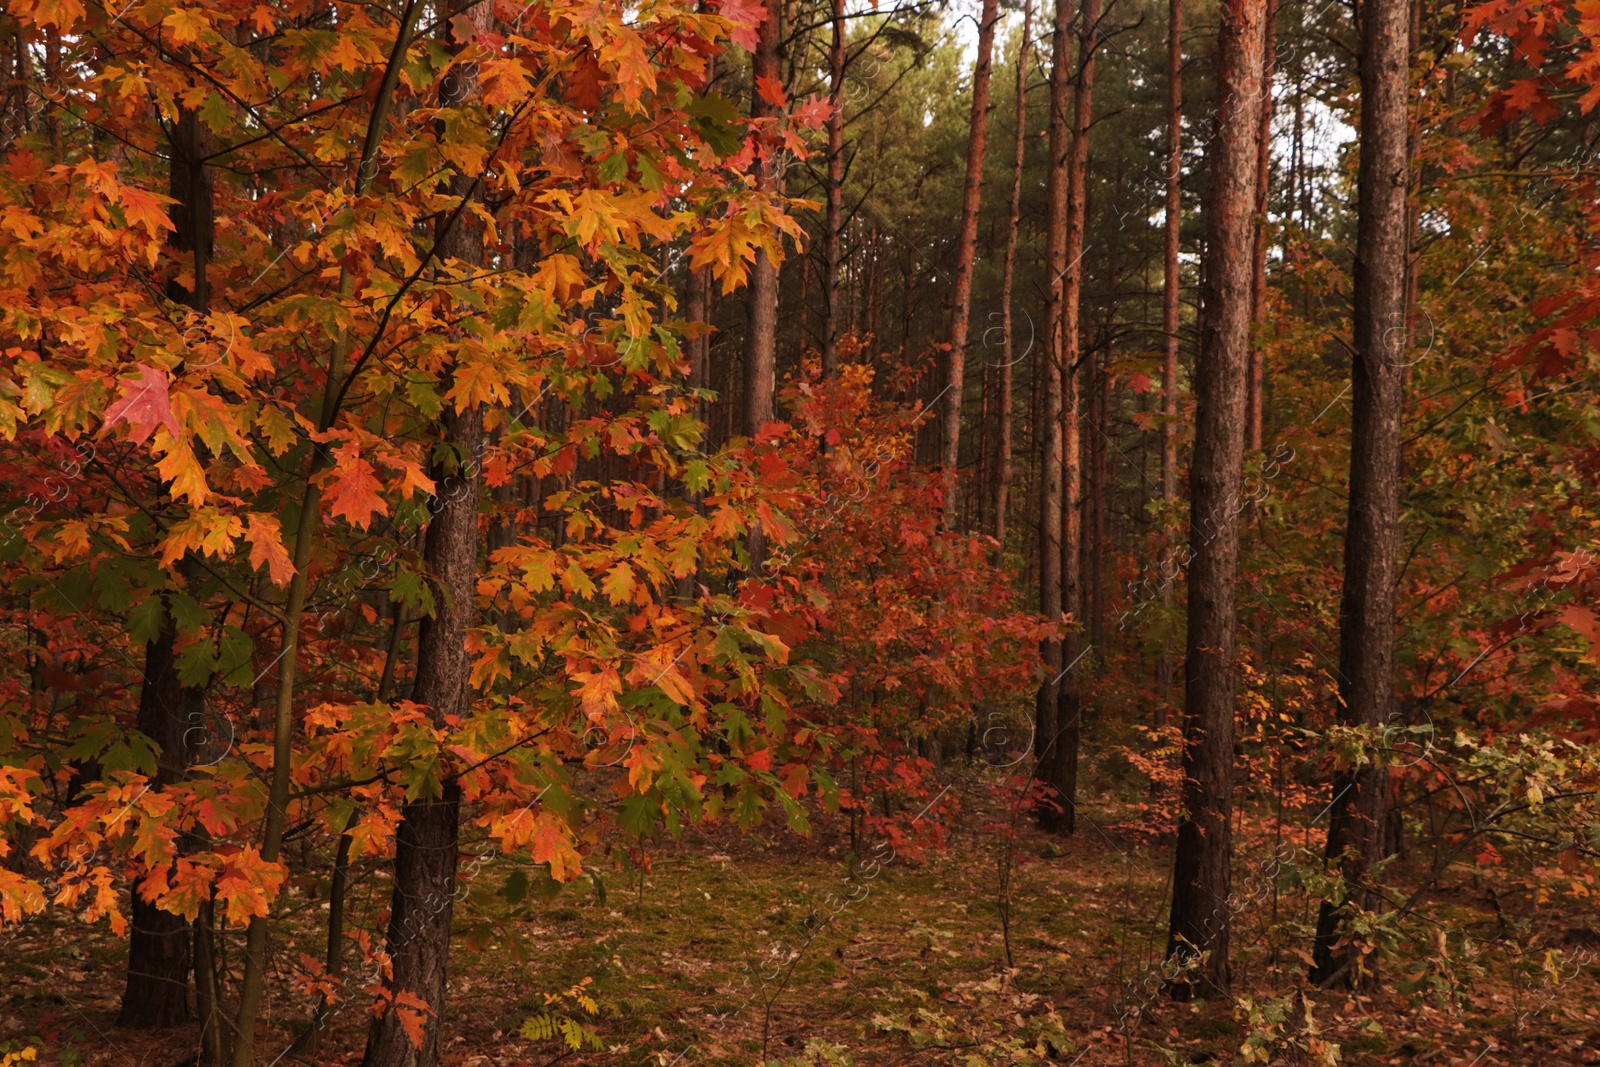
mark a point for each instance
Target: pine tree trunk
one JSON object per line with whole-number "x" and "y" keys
{"x": 1200, "y": 910}
{"x": 1372, "y": 533}
{"x": 1046, "y": 723}
{"x": 1008, "y": 275}
{"x": 966, "y": 255}
{"x": 1258, "y": 284}
{"x": 761, "y": 322}
{"x": 833, "y": 221}
{"x": 1170, "y": 306}
{"x": 1069, "y": 345}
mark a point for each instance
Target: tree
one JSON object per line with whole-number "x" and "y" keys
{"x": 966, "y": 255}
{"x": 1372, "y": 531}
{"x": 1200, "y": 904}
{"x": 833, "y": 223}
{"x": 1258, "y": 287}
{"x": 1047, "y": 724}
{"x": 160, "y": 954}
{"x": 1008, "y": 275}
{"x": 1068, "y": 346}
{"x": 1171, "y": 298}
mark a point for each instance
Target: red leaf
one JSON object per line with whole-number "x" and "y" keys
{"x": 813, "y": 113}
{"x": 746, "y": 18}
{"x": 144, "y": 405}
{"x": 771, "y": 91}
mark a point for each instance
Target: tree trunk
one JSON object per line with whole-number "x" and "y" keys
{"x": 761, "y": 323}
{"x": 1170, "y": 306}
{"x": 833, "y": 222}
{"x": 1008, "y": 275}
{"x": 170, "y": 713}
{"x": 421, "y": 909}
{"x": 966, "y": 254}
{"x": 252, "y": 987}
{"x": 418, "y": 941}
{"x": 1372, "y": 534}
{"x": 1069, "y": 346}
{"x": 1258, "y": 284}
{"x": 1046, "y": 723}
{"x": 157, "y": 993}
{"x": 1200, "y": 910}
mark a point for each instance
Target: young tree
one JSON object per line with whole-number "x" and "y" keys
{"x": 966, "y": 255}
{"x": 1372, "y": 531}
{"x": 1200, "y": 909}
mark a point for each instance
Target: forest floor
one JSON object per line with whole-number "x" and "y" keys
{"x": 737, "y": 943}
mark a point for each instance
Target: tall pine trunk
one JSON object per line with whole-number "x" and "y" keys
{"x": 1200, "y": 910}
{"x": 1046, "y": 723}
{"x": 1008, "y": 275}
{"x": 833, "y": 222}
{"x": 1170, "y": 306}
{"x": 1258, "y": 284}
{"x": 1069, "y": 346}
{"x": 761, "y": 319}
{"x": 966, "y": 255}
{"x": 1372, "y": 533}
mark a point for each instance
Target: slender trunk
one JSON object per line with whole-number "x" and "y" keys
{"x": 761, "y": 324}
{"x": 1200, "y": 910}
{"x": 1047, "y": 724}
{"x": 1008, "y": 275}
{"x": 1258, "y": 283}
{"x": 1170, "y": 295}
{"x": 1372, "y": 533}
{"x": 1069, "y": 344}
{"x": 253, "y": 986}
{"x": 966, "y": 254}
{"x": 833, "y": 222}
{"x": 171, "y": 713}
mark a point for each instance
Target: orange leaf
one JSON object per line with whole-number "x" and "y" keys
{"x": 266, "y": 547}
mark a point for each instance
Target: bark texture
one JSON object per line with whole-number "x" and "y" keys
{"x": 1046, "y": 723}
{"x": 1372, "y": 532}
{"x": 421, "y": 909}
{"x": 1008, "y": 275}
{"x": 1068, "y": 347}
{"x": 966, "y": 255}
{"x": 833, "y": 221}
{"x": 1201, "y": 913}
{"x": 170, "y": 713}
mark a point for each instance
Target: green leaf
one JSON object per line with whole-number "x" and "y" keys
{"x": 147, "y": 618}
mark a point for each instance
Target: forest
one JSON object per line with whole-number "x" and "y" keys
{"x": 799, "y": 533}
